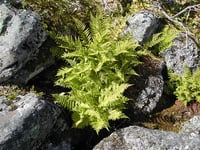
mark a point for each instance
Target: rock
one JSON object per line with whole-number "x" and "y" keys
{"x": 62, "y": 146}
{"x": 178, "y": 56}
{"x": 142, "y": 26}
{"x": 29, "y": 124}
{"x": 12, "y": 2}
{"x": 150, "y": 96}
{"x": 147, "y": 88}
{"x": 135, "y": 138}
{"x": 35, "y": 65}
{"x": 191, "y": 126}
{"x": 21, "y": 35}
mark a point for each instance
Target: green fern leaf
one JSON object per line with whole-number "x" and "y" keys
{"x": 100, "y": 124}
{"x": 83, "y": 31}
{"x": 80, "y": 120}
{"x": 116, "y": 114}
{"x": 65, "y": 101}
{"x": 161, "y": 41}
{"x": 112, "y": 94}
{"x": 187, "y": 86}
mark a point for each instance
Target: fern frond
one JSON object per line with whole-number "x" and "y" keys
{"x": 116, "y": 114}
{"x": 161, "y": 41}
{"x": 83, "y": 32}
{"x": 80, "y": 120}
{"x": 187, "y": 86}
{"x": 112, "y": 95}
{"x": 100, "y": 124}
{"x": 65, "y": 101}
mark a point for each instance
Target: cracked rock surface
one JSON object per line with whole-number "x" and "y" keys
{"x": 29, "y": 124}
{"x": 135, "y": 138}
{"x": 21, "y": 35}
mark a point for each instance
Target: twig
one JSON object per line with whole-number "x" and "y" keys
{"x": 190, "y": 8}
{"x": 106, "y": 5}
{"x": 172, "y": 18}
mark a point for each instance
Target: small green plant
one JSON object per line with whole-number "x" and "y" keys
{"x": 187, "y": 87}
{"x": 12, "y": 91}
{"x": 34, "y": 91}
{"x": 98, "y": 66}
{"x": 162, "y": 40}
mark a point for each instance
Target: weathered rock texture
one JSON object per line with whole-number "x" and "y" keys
{"x": 28, "y": 124}
{"x": 147, "y": 88}
{"x": 179, "y": 56}
{"x": 21, "y": 35}
{"x": 142, "y": 26}
{"x": 192, "y": 126}
{"x": 134, "y": 138}
{"x": 38, "y": 63}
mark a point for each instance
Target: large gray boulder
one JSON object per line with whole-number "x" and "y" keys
{"x": 38, "y": 63}
{"x": 135, "y": 138}
{"x": 142, "y": 26}
{"x": 179, "y": 55}
{"x": 26, "y": 122}
{"x": 21, "y": 35}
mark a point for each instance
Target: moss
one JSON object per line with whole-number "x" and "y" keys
{"x": 12, "y": 91}
{"x": 58, "y": 16}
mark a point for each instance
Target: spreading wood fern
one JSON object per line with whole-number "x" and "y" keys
{"x": 98, "y": 66}
{"x": 187, "y": 87}
{"x": 162, "y": 40}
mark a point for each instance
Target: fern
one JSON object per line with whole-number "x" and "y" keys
{"x": 98, "y": 67}
{"x": 187, "y": 87}
{"x": 162, "y": 40}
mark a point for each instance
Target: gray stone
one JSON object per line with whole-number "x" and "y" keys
{"x": 150, "y": 96}
{"x": 29, "y": 124}
{"x": 35, "y": 65}
{"x": 62, "y": 146}
{"x": 142, "y": 26}
{"x": 178, "y": 56}
{"x": 3, "y": 104}
{"x": 147, "y": 88}
{"x": 20, "y": 38}
{"x": 135, "y": 138}
{"x": 191, "y": 126}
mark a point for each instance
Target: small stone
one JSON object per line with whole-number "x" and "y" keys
{"x": 142, "y": 26}
{"x": 178, "y": 56}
